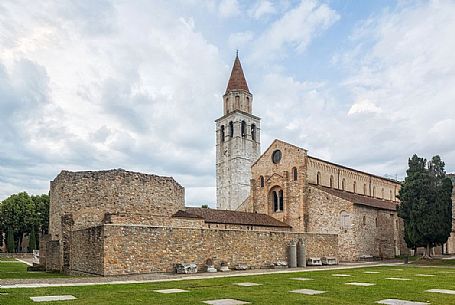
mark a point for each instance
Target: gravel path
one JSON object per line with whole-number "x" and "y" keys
{"x": 164, "y": 277}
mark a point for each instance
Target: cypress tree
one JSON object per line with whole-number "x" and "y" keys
{"x": 32, "y": 240}
{"x": 10, "y": 241}
{"x": 426, "y": 205}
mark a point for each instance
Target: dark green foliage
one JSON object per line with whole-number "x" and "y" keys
{"x": 21, "y": 214}
{"x": 426, "y": 205}
{"x": 10, "y": 241}
{"x": 32, "y": 240}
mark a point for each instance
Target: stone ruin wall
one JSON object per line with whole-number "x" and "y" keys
{"x": 157, "y": 249}
{"x": 89, "y": 195}
{"x": 327, "y": 169}
{"x": 86, "y": 251}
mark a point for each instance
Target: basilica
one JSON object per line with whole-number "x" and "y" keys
{"x": 117, "y": 222}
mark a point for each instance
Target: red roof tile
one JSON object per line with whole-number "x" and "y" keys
{"x": 237, "y": 80}
{"x": 231, "y": 217}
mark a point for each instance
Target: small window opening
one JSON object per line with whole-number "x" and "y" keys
{"x": 294, "y": 173}
{"x": 331, "y": 181}
{"x": 222, "y": 133}
{"x": 243, "y": 129}
{"x": 253, "y": 132}
{"x": 231, "y": 129}
{"x": 354, "y": 186}
{"x": 342, "y": 184}
{"x": 262, "y": 181}
{"x": 318, "y": 178}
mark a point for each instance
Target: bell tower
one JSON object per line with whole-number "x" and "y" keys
{"x": 237, "y": 142}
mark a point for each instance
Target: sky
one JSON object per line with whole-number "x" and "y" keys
{"x": 91, "y": 85}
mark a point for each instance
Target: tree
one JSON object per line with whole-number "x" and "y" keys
{"x": 23, "y": 214}
{"x": 426, "y": 205}
{"x": 10, "y": 241}
{"x": 32, "y": 240}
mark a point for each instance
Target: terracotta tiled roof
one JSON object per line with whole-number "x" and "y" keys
{"x": 359, "y": 199}
{"x": 231, "y": 217}
{"x": 237, "y": 80}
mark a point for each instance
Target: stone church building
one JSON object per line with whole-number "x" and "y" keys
{"x": 119, "y": 222}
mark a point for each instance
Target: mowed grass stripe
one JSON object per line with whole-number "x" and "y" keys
{"x": 274, "y": 289}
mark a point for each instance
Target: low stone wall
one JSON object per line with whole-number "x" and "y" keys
{"x": 86, "y": 251}
{"x": 53, "y": 260}
{"x": 132, "y": 249}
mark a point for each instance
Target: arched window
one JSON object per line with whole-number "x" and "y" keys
{"x": 231, "y": 129}
{"x": 331, "y": 181}
{"x": 237, "y": 101}
{"x": 262, "y": 181}
{"x": 243, "y": 129}
{"x": 364, "y": 188}
{"x": 253, "y": 132}
{"x": 354, "y": 187}
{"x": 222, "y": 133}
{"x": 277, "y": 199}
{"x": 382, "y": 193}
{"x": 342, "y": 184}
{"x": 294, "y": 173}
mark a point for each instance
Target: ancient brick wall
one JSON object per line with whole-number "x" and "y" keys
{"x": 145, "y": 249}
{"x": 361, "y": 230}
{"x": 87, "y": 251}
{"x": 88, "y": 196}
{"x": 53, "y": 257}
{"x": 354, "y": 181}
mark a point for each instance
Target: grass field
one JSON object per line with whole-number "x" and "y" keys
{"x": 12, "y": 269}
{"x": 274, "y": 289}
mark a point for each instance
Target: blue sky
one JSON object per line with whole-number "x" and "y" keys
{"x": 89, "y": 85}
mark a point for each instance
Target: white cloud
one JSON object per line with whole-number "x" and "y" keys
{"x": 364, "y": 106}
{"x": 127, "y": 98}
{"x": 262, "y": 8}
{"x": 229, "y": 8}
{"x": 295, "y": 29}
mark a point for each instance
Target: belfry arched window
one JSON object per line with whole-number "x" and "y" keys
{"x": 243, "y": 129}
{"x": 318, "y": 178}
{"x": 253, "y": 132}
{"x": 222, "y": 133}
{"x": 262, "y": 181}
{"x": 231, "y": 129}
{"x": 294, "y": 173}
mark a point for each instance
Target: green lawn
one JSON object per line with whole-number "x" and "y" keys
{"x": 18, "y": 270}
{"x": 274, "y": 290}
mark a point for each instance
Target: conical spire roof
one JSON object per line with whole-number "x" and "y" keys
{"x": 237, "y": 80}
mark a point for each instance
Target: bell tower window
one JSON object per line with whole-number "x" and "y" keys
{"x": 222, "y": 133}
{"x": 253, "y": 132}
{"x": 231, "y": 129}
{"x": 243, "y": 129}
